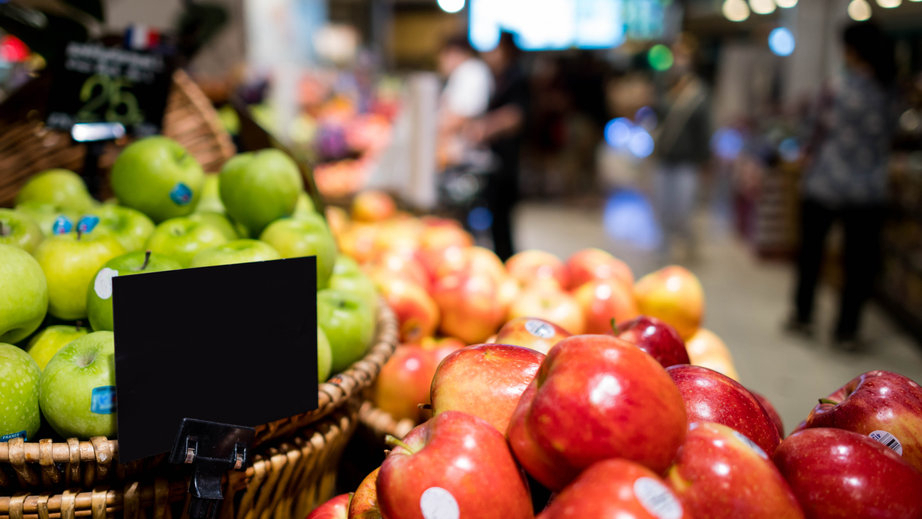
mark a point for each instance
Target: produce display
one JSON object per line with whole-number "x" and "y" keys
{"x": 60, "y": 250}
{"x": 644, "y": 416}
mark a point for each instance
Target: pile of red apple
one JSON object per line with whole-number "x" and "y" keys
{"x": 601, "y": 427}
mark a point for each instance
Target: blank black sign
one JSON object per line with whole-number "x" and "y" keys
{"x": 235, "y": 344}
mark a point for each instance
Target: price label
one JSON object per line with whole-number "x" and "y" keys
{"x": 110, "y": 85}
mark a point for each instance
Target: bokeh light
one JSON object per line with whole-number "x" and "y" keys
{"x": 727, "y": 143}
{"x": 762, "y": 6}
{"x": 735, "y": 10}
{"x": 618, "y": 133}
{"x": 628, "y": 216}
{"x": 781, "y": 41}
{"x": 451, "y": 6}
{"x": 641, "y": 143}
{"x": 789, "y": 149}
{"x": 859, "y": 10}
{"x": 889, "y": 4}
{"x": 785, "y": 4}
{"x": 660, "y": 57}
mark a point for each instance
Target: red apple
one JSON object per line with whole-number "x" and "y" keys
{"x": 772, "y": 412}
{"x": 470, "y": 306}
{"x": 530, "y": 266}
{"x": 616, "y": 488}
{"x": 591, "y": 264}
{"x": 674, "y": 295}
{"x": 455, "y": 465}
{"x": 719, "y": 473}
{"x": 416, "y": 311}
{"x": 399, "y": 264}
{"x": 373, "y": 206}
{"x": 530, "y": 332}
{"x": 335, "y": 508}
{"x": 706, "y": 349}
{"x": 884, "y": 405}
{"x": 837, "y": 474}
{"x": 654, "y": 337}
{"x": 551, "y": 304}
{"x": 441, "y": 347}
{"x": 486, "y": 380}
{"x": 712, "y": 397}
{"x": 604, "y": 301}
{"x": 364, "y": 503}
{"x": 404, "y": 382}
{"x": 596, "y": 397}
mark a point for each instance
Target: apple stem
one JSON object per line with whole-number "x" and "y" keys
{"x": 3, "y": 231}
{"x": 614, "y": 326}
{"x": 146, "y": 260}
{"x": 425, "y": 406}
{"x": 392, "y": 441}
{"x": 827, "y": 401}
{"x": 79, "y": 233}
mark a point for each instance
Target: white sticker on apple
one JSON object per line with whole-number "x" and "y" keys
{"x": 103, "y": 283}
{"x": 438, "y": 503}
{"x": 539, "y": 329}
{"x": 888, "y": 440}
{"x": 753, "y": 445}
{"x": 657, "y": 499}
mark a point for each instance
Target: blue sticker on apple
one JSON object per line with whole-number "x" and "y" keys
{"x": 8, "y": 437}
{"x": 103, "y": 400}
{"x": 181, "y": 194}
{"x": 62, "y": 225}
{"x": 87, "y": 224}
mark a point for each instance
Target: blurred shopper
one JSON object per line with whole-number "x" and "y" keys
{"x": 846, "y": 180}
{"x": 502, "y": 129}
{"x": 468, "y": 84}
{"x": 682, "y": 148}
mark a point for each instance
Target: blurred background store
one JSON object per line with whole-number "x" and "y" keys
{"x": 664, "y": 131}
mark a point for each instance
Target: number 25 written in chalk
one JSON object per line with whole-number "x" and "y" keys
{"x": 110, "y": 99}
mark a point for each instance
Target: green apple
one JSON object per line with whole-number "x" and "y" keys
{"x": 70, "y": 262}
{"x": 158, "y": 177}
{"x": 211, "y": 195}
{"x": 99, "y": 293}
{"x": 59, "y": 187}
{"x": 304, "y": 236}
{"x": 218, "y": 220}
{"x": 182, "y": 238}
{"x": 45, "y": 215}
{"x": 19, "y": 382}
{"x": 77, "y": 388}
{"x": 348, "y": 323}
{"x": 324, "y": 356}
{"x": 23, "y": 294}
{"x": 237, "y": 251}
{"x": 303, "y": 206}
{"x": 260, "y": 187}
{"x": 47, "y": 342}
{"x": 130, "y": 227}
{"x": 16, "y": 228}
{"x": 349, "y": 277}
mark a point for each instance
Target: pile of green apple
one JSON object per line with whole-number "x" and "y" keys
{"x": 60, "y": 249}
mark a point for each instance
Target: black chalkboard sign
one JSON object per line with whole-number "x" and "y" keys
{"x": 96, "y": 83}
{"x": 235, "y": 344}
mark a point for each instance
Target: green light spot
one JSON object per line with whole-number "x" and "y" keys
{"x": 660, "y": 57}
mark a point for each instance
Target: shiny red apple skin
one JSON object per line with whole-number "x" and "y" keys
{"x": 877, "y": 401}
{"x": 772, "y": 412}
{"x": 364, "y": 502}
{"x": 417, "y": 313}
{"x": 546, "y": 301}
{"x": 656, "y": 338}
{"x": 603, "y": 301}
{"x": 469, "y": 305}
{"x": 336, "y": 508}
{"x": 591, "y": 264}
{"x": 404, "y": 382}
{"x": 485, "y": 380}
{"x": 454, "y": 457}
{"x": 531, "y": 332}
{"x": 616, "y": 488}
{"x": 718, "y": 474}
{"x": 596, "y": 397}
{"x": 530, "y": 266}
{"x": 842, "y": 474}
{"x": 713, "y": 397}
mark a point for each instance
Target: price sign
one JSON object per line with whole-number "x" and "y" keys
{"x": 103, "y": 84}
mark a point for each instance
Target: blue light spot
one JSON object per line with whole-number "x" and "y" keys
{"x": 628, "y": 216}
{"x": 781, "y": 41}
{"x": 479, "y": 219}
{"x": 727, "y": 143}
{"x": 641, "y": 143}
{"x": 618, "y": 133}
{"x": 789, "y": 149}
{"x": 646, "y": 117}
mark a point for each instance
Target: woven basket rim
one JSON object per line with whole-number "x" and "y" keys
{"x": 332, "y": 395}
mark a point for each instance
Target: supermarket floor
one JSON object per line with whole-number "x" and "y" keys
{"x": 747, "y": 301}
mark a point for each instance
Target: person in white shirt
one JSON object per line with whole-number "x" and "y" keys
{"x": 466, "y": 96}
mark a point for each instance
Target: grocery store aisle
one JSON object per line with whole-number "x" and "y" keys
{"x": 747, "y": 300}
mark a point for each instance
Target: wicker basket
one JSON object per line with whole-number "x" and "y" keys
{"x": 381, "y": 424}
{"x": 27, "y": 146}
{"x": 311, "y": 443}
